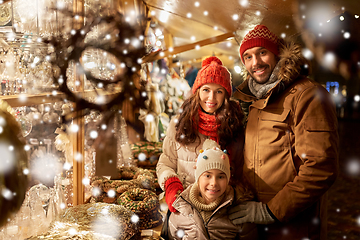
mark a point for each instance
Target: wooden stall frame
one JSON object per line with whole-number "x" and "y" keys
{"x": 78, "y": 137}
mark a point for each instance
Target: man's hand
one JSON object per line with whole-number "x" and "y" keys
{"x": 253, "y": 212}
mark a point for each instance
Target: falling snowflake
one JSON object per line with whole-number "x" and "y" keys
{"x": 180, "y": 233}
{"x": 285, "y": 231}
{"x": 149, "y": 118}
{"x": 72, "y": 232}
{"x": 45, "y": 168}
{"x": 353, "y": 167}
{"x": 7, "y": 159}
{"x": 26, "y": 171}
{"x": 73, "y": 128}
{"x": 329, "y": 59}
{"x": 86, "y": 181}
{"x": 135, "y": 218}
{"x": 163, "y": 207}
{"x": 94, "y": 134}
{"x": 244, "y": 3}
{"x": 96, "y": 191}
{"x": 105, "y": 211}
{"x": 111, "y": 193}
{"x": 142, "y": 156}
{"x": 111, "y": 227}
{"x": 67, "y": 166}
{"x": 6, "y": 193}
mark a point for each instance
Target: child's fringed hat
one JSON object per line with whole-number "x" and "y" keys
{"x": 212, "y": 157}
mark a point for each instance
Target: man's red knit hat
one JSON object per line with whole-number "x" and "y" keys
{"x": 260, "y": 36}
{"x": 213, "y": 71}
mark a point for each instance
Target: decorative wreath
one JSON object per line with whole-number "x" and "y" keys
{"x": 139, "y": 200}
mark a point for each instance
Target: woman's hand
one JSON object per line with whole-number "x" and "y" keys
{"x": 173, "y": 188}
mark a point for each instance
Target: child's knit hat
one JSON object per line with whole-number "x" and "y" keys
{"x": 260, "y": 36}
{"x": 211, "y": 157}
{"x": 213, "y": 71}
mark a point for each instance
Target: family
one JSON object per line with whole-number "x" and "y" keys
{"x": 256, "y": 170}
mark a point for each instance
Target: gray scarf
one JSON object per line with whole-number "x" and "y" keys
{"x": 260, "y": 90}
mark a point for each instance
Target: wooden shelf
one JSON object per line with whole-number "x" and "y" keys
{"x": 28, "y": 100}
{"x": 48, "y": 97}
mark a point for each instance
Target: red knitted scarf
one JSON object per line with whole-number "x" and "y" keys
{"x": 208, "y": 125}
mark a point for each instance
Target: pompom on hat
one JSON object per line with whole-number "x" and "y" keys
{"x": 213, "y": 71}
{"x": 211, "y": 157}
{"x": 260, "y": 36}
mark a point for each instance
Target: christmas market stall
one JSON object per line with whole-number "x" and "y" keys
{"x": 88, "y": 89}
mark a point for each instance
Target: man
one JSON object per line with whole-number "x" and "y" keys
{"x": 291, "y": 140}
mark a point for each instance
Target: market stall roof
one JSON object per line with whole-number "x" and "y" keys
{"x": 192, "y": 21}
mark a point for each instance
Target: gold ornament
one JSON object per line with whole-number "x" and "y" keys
{"x": 13, "y": 164}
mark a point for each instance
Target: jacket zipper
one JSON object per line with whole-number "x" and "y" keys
{"x": 206, "y": 228}
{"x": 206, "y": 224}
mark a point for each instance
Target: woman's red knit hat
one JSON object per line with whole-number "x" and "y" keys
{"x": 260, "y": 36}
{"x": 213, "y": 71}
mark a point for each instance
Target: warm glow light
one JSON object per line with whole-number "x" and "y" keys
{"x": 357, "y": 98}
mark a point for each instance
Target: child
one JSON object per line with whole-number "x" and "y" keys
{"x": 202, "y": 207}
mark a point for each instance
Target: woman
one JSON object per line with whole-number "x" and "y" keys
{"x": 208, "y": 113}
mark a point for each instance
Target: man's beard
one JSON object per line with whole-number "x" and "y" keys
{"x": 260, "y": 80}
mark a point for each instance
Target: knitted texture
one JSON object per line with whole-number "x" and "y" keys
{"x": 213, "y": 71}
{"x": 173, "y": 187}
{"x": 208, "y": 125}
{"x": 260, "y": 36}
{"x": 198, "y": 202}
{"x": 212, "y": 158}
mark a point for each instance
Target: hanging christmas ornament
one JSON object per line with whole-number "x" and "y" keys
{"x": 13, "y": 164}
{"x": 105, "y": 54}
